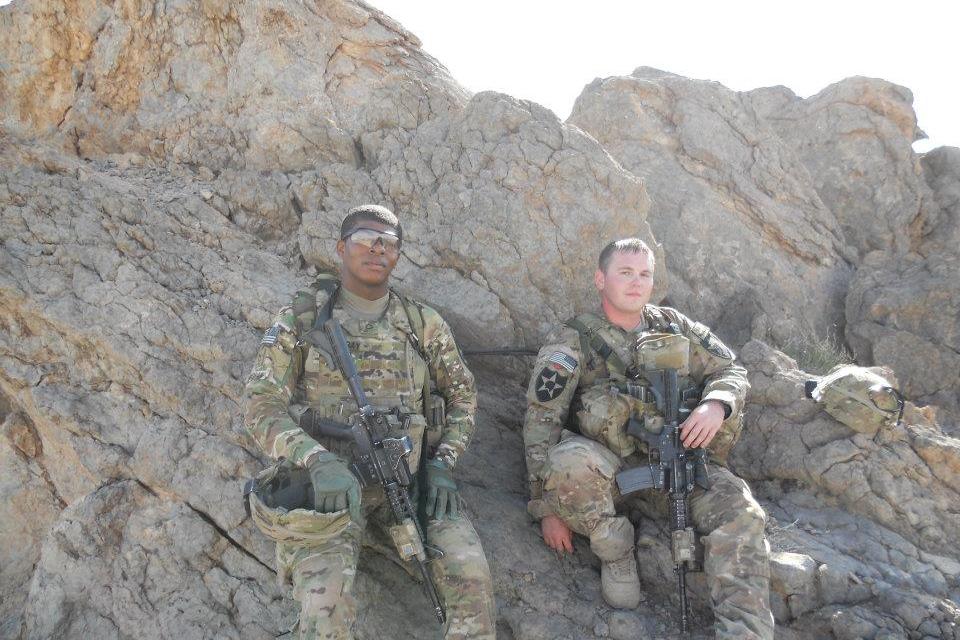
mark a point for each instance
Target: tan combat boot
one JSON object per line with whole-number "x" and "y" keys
{"x": 619, "y": 582}
{"x": 612, "y": 541}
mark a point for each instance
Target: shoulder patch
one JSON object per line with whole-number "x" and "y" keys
{"x": 701, "y": 331}
{"x": 563, "y": 361}
{"x": 717, "y": 348}
{"x": 710, "y": 342}
{"x": 270, "y": 335}
{"x": 549, "y": 384}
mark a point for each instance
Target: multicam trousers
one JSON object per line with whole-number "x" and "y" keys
{"x": 323, "y": 576}
{"x": 579, "y": 487}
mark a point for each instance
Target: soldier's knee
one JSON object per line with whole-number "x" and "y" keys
{"x": 463, "y": 555}
{"x": 582, "y": 461}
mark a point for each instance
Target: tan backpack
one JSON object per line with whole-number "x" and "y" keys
{"x": 859, "y": 398}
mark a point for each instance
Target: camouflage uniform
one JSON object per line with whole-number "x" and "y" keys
{"x": 572, "y": 476}
{"x": 291, "y": 375}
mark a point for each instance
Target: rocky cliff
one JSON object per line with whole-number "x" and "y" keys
{"x": 170, "y": 173}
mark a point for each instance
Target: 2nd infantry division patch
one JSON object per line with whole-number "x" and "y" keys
{"x": 550, "y": 384}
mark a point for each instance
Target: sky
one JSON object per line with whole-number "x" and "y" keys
{"x": 546, "y": 51}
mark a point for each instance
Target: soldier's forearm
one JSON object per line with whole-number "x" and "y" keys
{"x": 456, "y": 436}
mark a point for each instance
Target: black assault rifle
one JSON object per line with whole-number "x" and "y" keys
{"x": 676, "y": 470}
{"x": 380, "y": 460}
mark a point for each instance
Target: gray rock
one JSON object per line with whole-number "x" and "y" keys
{"x": 124, "y": 562}
{"x": 794, "y": 577}
{"x": 941, "y": 168}
{"x": 750, "y": 245}
{"x": 29, "y": 508}
{"x": 187, "y": 169}
{"x": 872, "y": 514}
{"x": 904, "y": 312}
{"x": 854, "y": 139}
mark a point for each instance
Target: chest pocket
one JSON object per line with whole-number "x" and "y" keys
{"x": 391, "y": 371}
{"x": 663, "y": 351}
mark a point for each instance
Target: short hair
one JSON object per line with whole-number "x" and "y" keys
{"x": 369, "y": 213}
{"x": 624, "y": 245}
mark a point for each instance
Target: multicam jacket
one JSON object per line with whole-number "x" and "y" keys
{"x": 292, "y": 375}
{"x": 571, "y": 366}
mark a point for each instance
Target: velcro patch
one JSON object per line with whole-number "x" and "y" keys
{"x": 550, "y": 384}
{"x": 270, "y": 335}
{"x": 566, "y": 361}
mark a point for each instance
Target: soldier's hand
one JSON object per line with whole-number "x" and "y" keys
{"x": 556, "y": 534}
{"x": 443, "y": 499}
{"x": 702, "y": 424}
{"x": 335, "y": 488}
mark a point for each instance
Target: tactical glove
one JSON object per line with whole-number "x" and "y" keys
{"x": 443, "y": 499}
{"x": 335, "y": 488}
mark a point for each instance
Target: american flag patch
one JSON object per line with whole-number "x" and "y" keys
{"x": 567, "y": 362}
{"x": 270, "y": 335}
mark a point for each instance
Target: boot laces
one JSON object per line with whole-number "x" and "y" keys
{"x": 622, "y": 569}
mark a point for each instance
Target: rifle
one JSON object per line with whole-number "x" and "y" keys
{"x": 382, "y": 461}
{"x": 676, "y": 471}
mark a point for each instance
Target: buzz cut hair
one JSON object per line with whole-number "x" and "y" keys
{"x": 369, "y": 213}
{"x": 624, "y": 245}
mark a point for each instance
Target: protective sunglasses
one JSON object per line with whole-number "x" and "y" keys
{"x": 368, "y": 238}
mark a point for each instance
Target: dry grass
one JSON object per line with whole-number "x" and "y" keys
{"x": 818, "y": 355}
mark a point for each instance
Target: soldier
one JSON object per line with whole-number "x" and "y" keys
{"x": 399, "y": 346}
{"x": 586, "y": 364}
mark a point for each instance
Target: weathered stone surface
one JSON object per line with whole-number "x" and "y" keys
{"x": 884, "y": 478}
{"x": 501, "y": 200}
{"x": 905, "y": 312}
{"x": 187, "y": 169}
{"x": 902, "y": 310}
{"x": 873, "y": 513}
{"x": 29, "y": 507}
{"x": 941, "y": 168}
{"x": 260, "y": 85}
{"x": 854, "y": 140}
{"x": 124, "y": 562}
{"x": 794, "y": 577}
{"x": 750, "y": 245}
{"x": 507, "y": 211}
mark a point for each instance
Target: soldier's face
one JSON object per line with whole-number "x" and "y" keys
{"x": 371, "y": 265}
{"x": 627, "y": 283}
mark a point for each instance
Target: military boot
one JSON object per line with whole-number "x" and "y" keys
{"x": 612, "y": 542}
{"x": 620, "y": 583}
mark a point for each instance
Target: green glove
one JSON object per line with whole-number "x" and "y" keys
{"x": 443, "y": 500}
{"x": 335, "y": 488}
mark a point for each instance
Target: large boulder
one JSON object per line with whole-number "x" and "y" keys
{"x": 750, "y": 245}
{"x": 871, "y": 516}
{"x": 126, "y": 562}
{"x": 292, "y": 114}
{"x": 257, "y": 85}
{"x": 854, "y": 139}
{"x": 904, "y": 312}
{"x": 31, "y": 505}
{"x": 941, "y": 168}
{"x": 186, "y": 169}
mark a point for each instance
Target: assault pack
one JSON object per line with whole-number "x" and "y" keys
{"x": 859, "y": 398}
